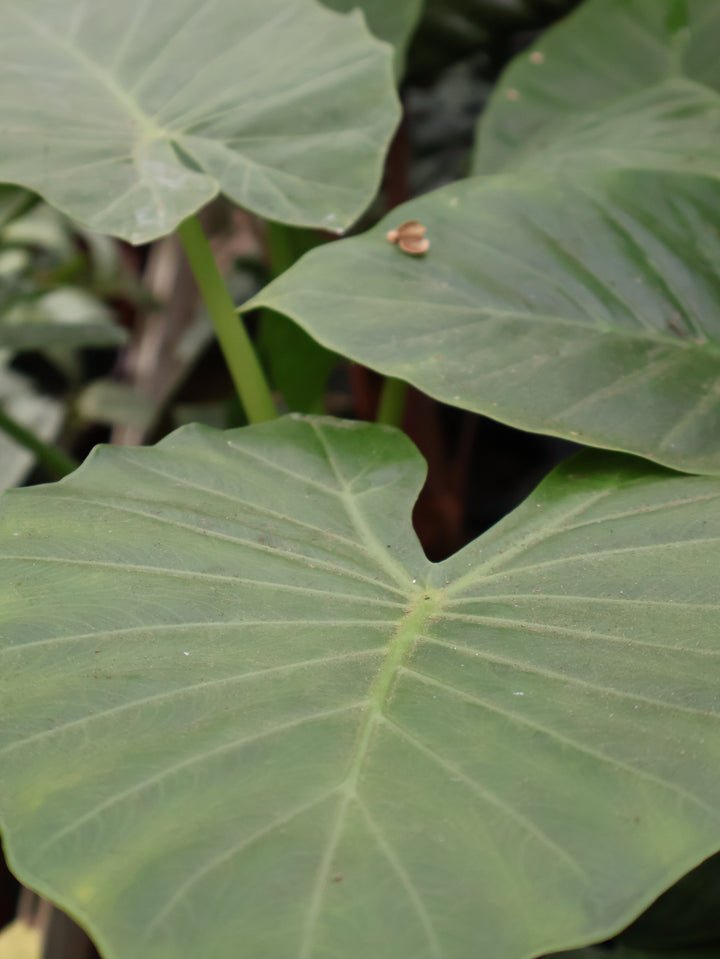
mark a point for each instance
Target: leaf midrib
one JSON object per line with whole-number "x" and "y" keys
{"x": 409, "y": 629}
{"x": 594, "y": 326}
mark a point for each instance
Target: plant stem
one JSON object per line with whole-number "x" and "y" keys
{"x": 57, "y": 463}
{"x": 238, "y": 351}
{"x": 392, "y": 402}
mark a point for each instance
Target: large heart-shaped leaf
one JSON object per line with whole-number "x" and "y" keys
{"x": 621, "y": 83}
{"x": 244, "y": 715}
{"x": 130, "y": 116}
{"x": 586, "y": 310}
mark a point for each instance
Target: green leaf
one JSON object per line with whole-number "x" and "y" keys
{"x": 619, "y": 84}
{"x": 244, "y": 715}
{"x": 44, "y": 415}
{"x": 131, "y": 116}
{"x": 393, "y": 22}
{"x": 585, "y": 310}
{"x": 66, "y": 317}
{"x": 40, "y": 228}
{"x": 107, "y": 401}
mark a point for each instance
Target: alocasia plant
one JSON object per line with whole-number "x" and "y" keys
{"x": 242, "y": 713}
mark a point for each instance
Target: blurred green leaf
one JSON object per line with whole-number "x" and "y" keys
{"x": 106, "y": 401}
{"x": 619, "y": 84}
{"x": 66, "y": 317}
{"x": 42, "y": 414}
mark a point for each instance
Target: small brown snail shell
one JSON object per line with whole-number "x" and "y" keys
{"x": 410, "y": 237}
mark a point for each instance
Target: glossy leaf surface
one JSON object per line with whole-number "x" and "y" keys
{"x": 243, "y": 714}
{"x": 129, "y": 117}
{"x": 619, "y": 84}
{"x": 585, "y": 310}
